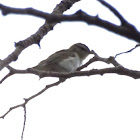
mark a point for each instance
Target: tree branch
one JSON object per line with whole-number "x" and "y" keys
{"x": 118, "y": 69}
{"x": 31, "y": 97}
{"x": 24, "y": 124}
{"x": 138, "y": 45}
{"x": 35, "y": 38}
{"x": 115, "y": 11}
{"x": 125, "y": 29}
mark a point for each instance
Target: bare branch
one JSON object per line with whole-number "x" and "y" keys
{"x": 5, "y": 77}
{"x": 109, "y": 60}
{"x": 24, "y": 123}
{"x": 114, "y": 10}
{"x": 30, "y": 98}
{"x": 126, "y": 29}
{"x": 94, "y": 59}
{"x": 11, "y": 72}
{"x": 128, "y": 50}
{"x": 118, "y": 69}
{"x": 10, "y": 109}
{"x": 35, "y": 38}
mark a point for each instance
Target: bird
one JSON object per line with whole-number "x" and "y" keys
{"x": 65, "y": 61}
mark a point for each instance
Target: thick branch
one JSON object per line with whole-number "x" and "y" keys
{"x": 116, "y": 13}
{"x": 118, "y": 69}
{"x": 125, "y": 29}
{"x": 35, "y": 38}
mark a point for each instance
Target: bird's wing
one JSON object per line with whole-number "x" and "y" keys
{"x": 57, "y": 57}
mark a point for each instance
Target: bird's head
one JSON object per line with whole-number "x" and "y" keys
{"x": 82, "y": 50}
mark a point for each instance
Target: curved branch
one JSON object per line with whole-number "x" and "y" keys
{"x": 116, "y": 13}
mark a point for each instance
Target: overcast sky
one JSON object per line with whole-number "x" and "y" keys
{"x": 82, "y": 108}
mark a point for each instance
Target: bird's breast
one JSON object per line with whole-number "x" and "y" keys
{"x": 71, "y": 63}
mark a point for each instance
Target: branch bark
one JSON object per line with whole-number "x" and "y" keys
{"x": 30, "y": 98}
{"x": 126, "y": 29}
{"x": 117, "y": 69}
{"x": 35, "y": 38}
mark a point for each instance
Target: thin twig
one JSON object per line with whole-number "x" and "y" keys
{"x": 10, "y": 109}
{"x": 128, "y": 50}
{"x": 31, "y": 97}
{"x": 24, "y": 124}
{"x": 6, "y": 76}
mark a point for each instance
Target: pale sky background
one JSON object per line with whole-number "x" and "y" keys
{"x": 85, "y": 108}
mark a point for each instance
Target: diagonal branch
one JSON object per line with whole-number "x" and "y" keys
{"x": 138, "y": 45}
{"x": 30, "y": 98}
{"x": 96, "y": 58}
{"x": 35, "y": 38}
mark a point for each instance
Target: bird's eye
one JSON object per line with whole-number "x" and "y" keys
{"x": 83, "y": 49}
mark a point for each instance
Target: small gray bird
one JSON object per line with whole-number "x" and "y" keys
{"x": 67, "y": 60}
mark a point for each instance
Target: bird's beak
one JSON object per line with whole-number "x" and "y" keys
{"x": 91, "y": 52}
{"x": 138, "y": 45}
